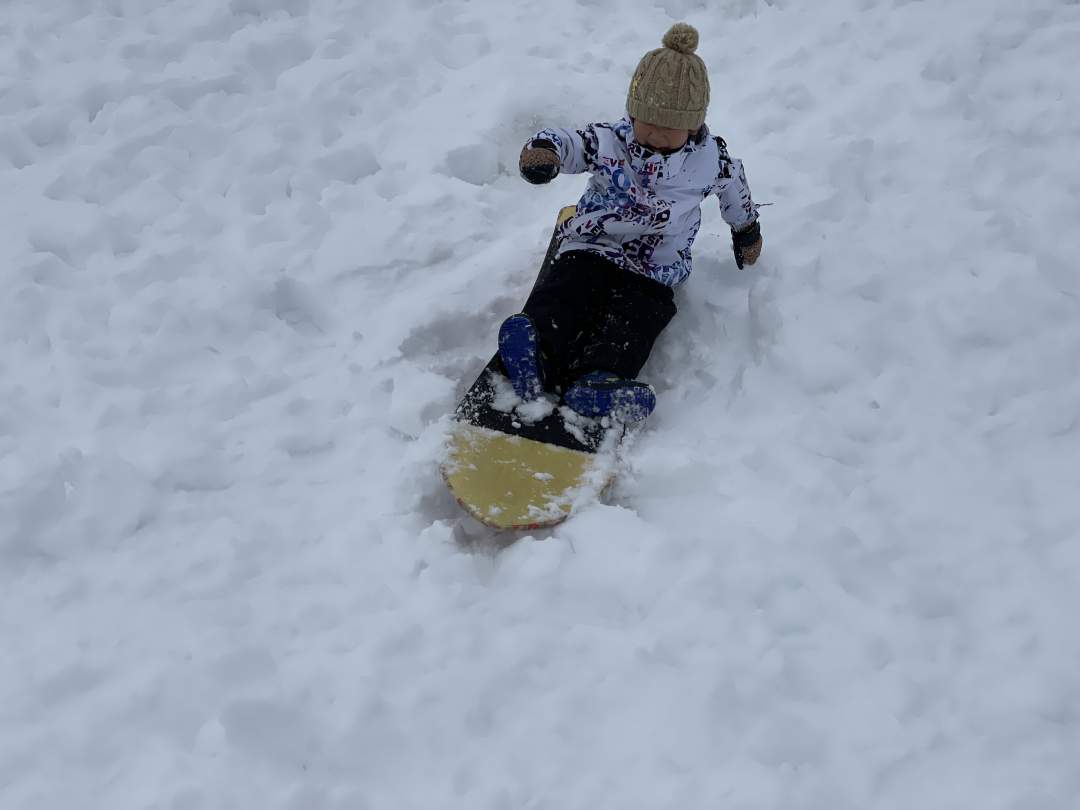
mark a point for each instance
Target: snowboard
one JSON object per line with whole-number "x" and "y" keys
{"x": 525, "y": 466}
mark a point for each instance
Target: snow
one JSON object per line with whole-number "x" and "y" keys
{"x": 252, "y": 252}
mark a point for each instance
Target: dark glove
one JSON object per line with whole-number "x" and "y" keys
{"x": 539, "y": 162}
{"x": 746, "y": 244}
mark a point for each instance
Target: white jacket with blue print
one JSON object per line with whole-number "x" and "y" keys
{"x": 642, "y": 209}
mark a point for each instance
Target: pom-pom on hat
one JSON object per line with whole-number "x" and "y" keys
{"x": 670, "y": 87}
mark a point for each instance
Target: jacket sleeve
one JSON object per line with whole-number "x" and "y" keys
{"x": 577, "y": 148}
{"x": 736, "y": 205}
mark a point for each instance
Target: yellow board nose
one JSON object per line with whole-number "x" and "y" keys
{"x": 509, "y": 482}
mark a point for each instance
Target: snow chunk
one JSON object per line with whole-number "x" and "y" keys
{"x": 418, "y": 397}
{"x": 477, "y": 164}
{"x": 536, "y": 410}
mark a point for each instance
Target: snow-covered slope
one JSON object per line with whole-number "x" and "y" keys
{"x": 251, "y": 251}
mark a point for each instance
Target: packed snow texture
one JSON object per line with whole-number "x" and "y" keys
{"x": 252, "y": 252}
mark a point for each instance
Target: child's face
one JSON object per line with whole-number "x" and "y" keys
{"x": 661, "y": 139}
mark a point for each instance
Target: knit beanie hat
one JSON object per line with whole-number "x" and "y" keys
{"x": 670, "y": 87}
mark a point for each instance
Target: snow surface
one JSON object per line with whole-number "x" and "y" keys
{"x": 252, "y": 250}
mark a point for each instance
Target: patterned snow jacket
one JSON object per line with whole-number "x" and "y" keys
{"x": 642, "y": 209}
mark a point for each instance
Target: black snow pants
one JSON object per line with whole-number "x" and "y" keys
{"x": 592, "y": 315}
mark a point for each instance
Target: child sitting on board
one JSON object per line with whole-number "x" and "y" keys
{"x": 589, "y": 326}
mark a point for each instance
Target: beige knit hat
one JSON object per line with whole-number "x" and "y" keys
{"x": 670, "y": 87}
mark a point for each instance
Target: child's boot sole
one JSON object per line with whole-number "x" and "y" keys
{"x": 520, "y": 354}
{"x": 625, "y": 400}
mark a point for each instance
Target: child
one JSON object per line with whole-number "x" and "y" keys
{"x": 589, "y": 327}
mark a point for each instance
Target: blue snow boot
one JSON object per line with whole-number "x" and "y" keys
{"x": 601, "y": 393}
{"x": 520, "y": 354}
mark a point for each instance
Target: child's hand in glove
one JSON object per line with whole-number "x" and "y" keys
{"x": 746, "y": 244}
{"x": 539, "y": 162}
